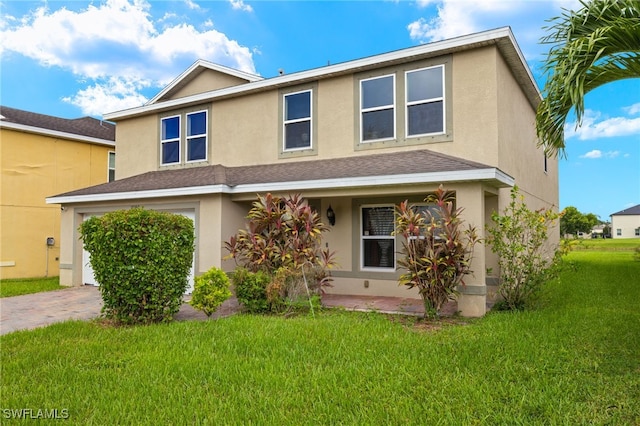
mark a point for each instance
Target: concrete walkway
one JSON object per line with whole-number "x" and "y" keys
{"x": 84, "y": 303}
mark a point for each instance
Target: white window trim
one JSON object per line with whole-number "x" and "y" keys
{"x": 379, "y": 108}
{"x": 297, "y": 120}
{"x": 363, "y": 237}
{"x": 425, "y": 101}
{"x": 189, "y": 137}
{"x": 178, "y": 139}
{"x": 109, "y": 165}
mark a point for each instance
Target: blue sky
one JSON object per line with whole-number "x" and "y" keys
{"x": 77, "y": 58}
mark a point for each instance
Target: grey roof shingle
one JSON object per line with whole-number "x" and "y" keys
{"x": 398, "y": 163}
{"x": 84, "y": 126}
{"x": 631, "y": 211}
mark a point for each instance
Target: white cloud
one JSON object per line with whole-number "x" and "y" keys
{"x": 633, "y": 109}
{"x": 115, "y": 94}
{"x": 192, "y": 5}
{"x": 596, "y": 153}
{"x": 117, "y": 41}
{"x": 594, "y": 127}
{"x": 460, "y": 17}
{"x": 240, "y": 5}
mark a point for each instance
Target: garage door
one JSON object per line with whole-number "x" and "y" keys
{"x": 88, "y": 278}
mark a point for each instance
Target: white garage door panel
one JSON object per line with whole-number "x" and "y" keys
{"x": 88, "y": 277}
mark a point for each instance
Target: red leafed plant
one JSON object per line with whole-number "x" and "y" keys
{"x": 437, "y": 251}
{"x": 283, "y": 236}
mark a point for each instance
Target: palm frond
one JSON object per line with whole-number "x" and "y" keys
{"x": 598, "y": 44}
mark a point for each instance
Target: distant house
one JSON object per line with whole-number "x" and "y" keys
{"x": 42, "y": 154}
{"x": 626, "y": 223}
{"x": 358, "y": 137}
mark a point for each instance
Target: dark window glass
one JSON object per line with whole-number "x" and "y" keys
{"x": 197, "y": 149}
{"x": 426, "y": 118}
{"x": 197, "y": 124}
{"x": 424, "y": 84}
{"x": 170, "y": 128}
{"x": 377, "y": 92}
{"x": 170, "y": 152}
{"x": 298, "y": 106}
{"x": 377, "y": 124}
{"x": 298, "y": 134}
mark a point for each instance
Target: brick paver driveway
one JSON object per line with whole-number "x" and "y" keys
{"x": 82, "y": 303}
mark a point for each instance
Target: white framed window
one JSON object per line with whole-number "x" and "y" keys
{"x": 170, "y": 140}
{"x": 619, "y": 232}
{"x": 111, "y": 167}
{"x": 637, "y": 231}
{"x": 425, "y": 114}
{"x": 377, "y": 108}
{"x": 197, "y": 136}
{"x": 297, "y": 122}
{"x": 377, "y": 242}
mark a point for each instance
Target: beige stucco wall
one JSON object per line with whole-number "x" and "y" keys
{"x": 206, "y": 81}
{"x": 246, "y": 130}
{"x": 627, "y": 224}
{"x": 138, "y": 146}
{"x": 35, "y": 167}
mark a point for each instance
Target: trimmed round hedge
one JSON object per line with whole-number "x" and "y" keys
{"x": 141, "y": 259}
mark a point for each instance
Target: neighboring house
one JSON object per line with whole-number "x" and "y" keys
{"x": 626, "y": 223}
{"x": 359, "y": 137}
{"x": 41, "y": 155}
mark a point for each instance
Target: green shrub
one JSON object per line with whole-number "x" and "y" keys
{"x": 527, "y": 261}
{"x": 210, "y": 291}
{"x": 251, "y": 289}
{"x": 141, "y": 259}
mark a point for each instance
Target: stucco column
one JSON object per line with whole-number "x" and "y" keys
{"x": 472, "y": 301}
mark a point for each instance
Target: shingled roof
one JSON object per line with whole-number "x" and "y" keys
{"x": 84, "y": 126}
{"x": 631, "y": 211}
{"x": 366, "y": 169}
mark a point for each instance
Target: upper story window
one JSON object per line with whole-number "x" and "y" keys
{"x": 170, "y": 140}
{"x": 197, "y": 136}
{"x": 180, "y": 142}
{"x": 377, "y": 108}
{"x": 111, "y": 168}
{"x": 425, "y": 101}
{"x": 297, "y": 121}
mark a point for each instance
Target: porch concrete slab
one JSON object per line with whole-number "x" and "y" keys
{"x": 389, "y": 305}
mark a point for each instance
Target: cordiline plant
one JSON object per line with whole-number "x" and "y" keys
{"x": 527, "y": 260}
{"x": 437, "y": 250}
{"x": 283, "y": 234}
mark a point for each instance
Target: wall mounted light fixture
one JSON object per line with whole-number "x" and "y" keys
{"x": 331, "y": 215}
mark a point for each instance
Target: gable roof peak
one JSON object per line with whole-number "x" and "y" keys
{"x": 194, "y": 70}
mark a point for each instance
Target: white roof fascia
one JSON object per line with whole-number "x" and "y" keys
{"x": 206, "y": 64}
{"x": 444, "y": 45}
{"x": 355, "y": 182}
{"x": 55, "y": 133}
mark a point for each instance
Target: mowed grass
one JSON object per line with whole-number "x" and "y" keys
{"x": 615, "y": 244}
{"x": 16, "y": 287}
{"x": 574, "y": 361}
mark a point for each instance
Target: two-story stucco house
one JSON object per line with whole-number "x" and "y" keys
{"x": 359, "y": 137}
{"x": 44, "y": 155}
{"x": 626, "y": 223}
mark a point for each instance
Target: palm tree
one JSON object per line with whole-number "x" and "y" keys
{"x": 598, "y": 44}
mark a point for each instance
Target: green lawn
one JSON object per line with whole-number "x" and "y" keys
{"x": 28, "y": 285}
{"x": 574, "y": 361}
{"x": 609, "y": 244}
